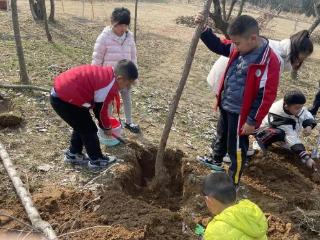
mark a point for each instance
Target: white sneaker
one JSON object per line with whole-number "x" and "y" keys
{"x": 77, "y": 158}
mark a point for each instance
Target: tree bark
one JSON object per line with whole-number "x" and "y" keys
{"x": 224, "y": 13}
{"x": 216, "y": 16}
{"x": 233, "y": 3}
{"x": 92, "y": 10}
{"x": 32, "y": 9}
{"x": 161, "y": 175}
{"x": 24, "y": 79}
{"x": 52, "y": 11}
{"x": 45, "y": 20}
{"x": 135, "y": 20}
{"x": 25, "y": 196}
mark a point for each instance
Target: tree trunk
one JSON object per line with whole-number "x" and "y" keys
{"x": 161, "y": 175}
{"x": 216, "y": 16}
{"x": 224, "y": 13}
{"x": 231, "y": 9}
{"x": 83, "y": 7}
{"x": 92, "y": 9}
{"x": 24, "y": 79}
{"x": 32, "y": 9}
{"x": 135, "y": 20}
{"x": 241, "y": 7}
{"x": 24, "y": 195}
{"x": 317, "y": 20}
{"x": 46, "y": 26}
{"x": 52, "y": 11}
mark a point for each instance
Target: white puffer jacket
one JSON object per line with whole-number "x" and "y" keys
{"x": 290, "y": 124}
{"x": 110, "y": 49}
{"x": 281, "y": 48}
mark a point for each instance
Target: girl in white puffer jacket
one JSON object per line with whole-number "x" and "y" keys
{"x": 116, "y": 43}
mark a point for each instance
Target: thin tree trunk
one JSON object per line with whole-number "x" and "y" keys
{"x": 52, "y": 11}
{"x": 241, "y": 7}
{"x": 135, "y": 20}
{"x": 317, "y": 20}
{"x": 62, "y": 6}
{"x": 224, "y": 13}
{"x": 231, "y": 9}
{"x": 16, "y": 28}
{"x": 92, "y": 10}
{"x": 216, "y": 16}
{"x": 161, "y": 174}
{"x": 83, "y": 8}
{"x": 33, "y": 13}
{"x": 25, "y": 197}
{"x": 46, "y": 25}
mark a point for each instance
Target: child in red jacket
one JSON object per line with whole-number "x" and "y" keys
{"x": 81, "y": 88}
{"x": 246, "y": 92}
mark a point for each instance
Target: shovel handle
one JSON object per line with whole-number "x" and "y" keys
{"x": 120, "y": 139}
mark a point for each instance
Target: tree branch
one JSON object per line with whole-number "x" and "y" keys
{"x": 242, "y": 3}
{"x": 24, "y": 87}
{"x": 231, "y": 9}
{"x": 224, "y": 13}
{"x": 25, "y": 197}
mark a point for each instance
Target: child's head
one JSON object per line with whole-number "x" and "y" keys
{"x": 219, "y": 192}
{"x": 244, "y": 32}
{"x": 126, "y": 73}
{"x": 294, "y": 101}
{"x": 301, "y": 48}
{"x": 120, "y": 20}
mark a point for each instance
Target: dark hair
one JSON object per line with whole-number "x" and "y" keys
{"x": 294, "y": 97}
{"x": 220, "y": 186}
{"x": 127, "y": 69}
{"x": 243, "y": 25}
{"x": 300, "y": 43}
{"x": 121, "y": 16}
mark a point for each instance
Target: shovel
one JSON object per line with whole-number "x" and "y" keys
{"x": 120, "y": 139}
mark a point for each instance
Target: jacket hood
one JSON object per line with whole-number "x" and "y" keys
{"x": 282, "y": 49}
{"x": 247, "y": 217}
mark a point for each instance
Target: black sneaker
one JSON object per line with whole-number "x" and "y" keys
{"x": 134, "y": 128}
{"x": 75, "y": 158}
{"x": 211, "y": 163}
{"x": 102, "y": 162}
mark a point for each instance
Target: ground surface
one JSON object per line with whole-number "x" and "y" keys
{"x": 117, "y": 202}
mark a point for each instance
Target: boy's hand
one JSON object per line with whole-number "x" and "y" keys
{"x": 307, "y": 131}
{"x": 199, "y": 18}
{"x": 248, "y": 129}
{"x": 108, "y": 132}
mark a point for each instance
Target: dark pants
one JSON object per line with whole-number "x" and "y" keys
{"x": 316, "y": 104}
{"x": 84, "y": 129}
{"x": 226, "y": 142}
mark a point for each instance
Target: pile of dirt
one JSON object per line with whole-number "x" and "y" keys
{"x": 8, "y": 118}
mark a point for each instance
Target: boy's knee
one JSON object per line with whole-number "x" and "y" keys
{"x": 298, "y": 148}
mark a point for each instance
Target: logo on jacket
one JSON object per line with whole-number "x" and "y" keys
{"x": 258, "y": 73}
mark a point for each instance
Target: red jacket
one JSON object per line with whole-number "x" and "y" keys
{"x": 261, "y": 84}
{"x": 89, "y": 86}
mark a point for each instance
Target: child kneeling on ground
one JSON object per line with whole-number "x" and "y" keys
{"x": 286, "y": 118}
{"x": 242, "y": 220}
{"x": 81, "y": 88}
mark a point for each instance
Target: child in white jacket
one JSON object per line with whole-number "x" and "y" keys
{"x": 284, "y": 123}
{"x": 116, "y": 43}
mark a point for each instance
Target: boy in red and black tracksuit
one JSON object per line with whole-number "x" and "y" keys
{"x": 86, "y": 87}
{"x": 246, "y": 92}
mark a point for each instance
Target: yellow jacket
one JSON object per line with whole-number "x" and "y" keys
{"x": 243, "y": 221}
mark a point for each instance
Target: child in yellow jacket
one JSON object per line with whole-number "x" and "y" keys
{"x": 243, "y": 220}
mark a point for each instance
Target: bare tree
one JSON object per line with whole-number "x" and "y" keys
{"x": 135, "y": 20}
{"x": 24, "y": 79}
{"x": 219, "y": 15}
{"x": 161, "y": 174}
{"x": 317, "y": 20}
{"x": 36, "y": 9}
{"x": 52, "y": 11}
{"x": 45, "y": 19}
